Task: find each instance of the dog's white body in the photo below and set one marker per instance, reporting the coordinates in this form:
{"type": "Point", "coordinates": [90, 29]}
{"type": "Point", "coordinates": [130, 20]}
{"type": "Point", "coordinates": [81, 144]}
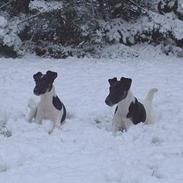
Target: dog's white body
{"type": "Point", "coordinates": [120, 120]}
{"type": "Point", "coordinates": [45, 110]}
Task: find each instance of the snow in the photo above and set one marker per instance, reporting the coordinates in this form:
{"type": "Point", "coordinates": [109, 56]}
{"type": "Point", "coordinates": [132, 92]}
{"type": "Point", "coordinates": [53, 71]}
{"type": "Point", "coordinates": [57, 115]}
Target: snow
{"type": "Point", "coordinates": [8, 34]}
{"type": "Point", "coordinates": [3, 22]}
{"type": "Point", "coordinates": [84, 150]}
{"type": "Point", "coordinates": [44, 6]}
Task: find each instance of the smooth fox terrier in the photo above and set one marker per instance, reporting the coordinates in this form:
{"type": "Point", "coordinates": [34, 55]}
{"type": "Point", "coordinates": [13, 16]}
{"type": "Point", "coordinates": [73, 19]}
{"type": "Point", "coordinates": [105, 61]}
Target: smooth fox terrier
{"type": "Point", "coordinates": [129, 110]}
{"type": "Point", "coordinates": [50, 107]}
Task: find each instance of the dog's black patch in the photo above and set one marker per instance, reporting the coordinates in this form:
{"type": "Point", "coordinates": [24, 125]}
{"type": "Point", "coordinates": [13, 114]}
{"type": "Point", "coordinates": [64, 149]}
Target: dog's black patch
{"type": "Point", "coordinates": [136, 112]}
{"type": "Point", "coordinates": [116, 109]}
{"type": "Point", "coordinates": [64, 114]}
{"type": "Point", "coordinates": [57, 103]}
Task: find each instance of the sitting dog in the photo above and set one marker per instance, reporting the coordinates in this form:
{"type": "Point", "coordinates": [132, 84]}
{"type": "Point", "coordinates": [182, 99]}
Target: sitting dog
{"type": "Point", "coordinates": [129, 110]}
{"type": "Point", "coordinates": [50, 107]}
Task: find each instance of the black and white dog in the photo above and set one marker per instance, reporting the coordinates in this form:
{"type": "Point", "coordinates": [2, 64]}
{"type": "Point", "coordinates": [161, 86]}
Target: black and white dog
{"type": "Point", "coordinates": [129, 110]}
{"type": "Point", "coordinates": [50, 107]}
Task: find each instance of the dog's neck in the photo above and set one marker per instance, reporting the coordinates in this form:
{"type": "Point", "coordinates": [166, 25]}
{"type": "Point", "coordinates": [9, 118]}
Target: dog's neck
{"type": "Point", "coordinates": [127, 101]}
{"type": "Point", "coordinates": [48, 96]}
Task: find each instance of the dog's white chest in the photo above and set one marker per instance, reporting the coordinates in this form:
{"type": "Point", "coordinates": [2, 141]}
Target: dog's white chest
{"type": "Point", "coordinates": [120, 120]}
{"type": "Point", "coordinates": [46, 109]}
{"type": "Point", "coordinates": [123, 106]}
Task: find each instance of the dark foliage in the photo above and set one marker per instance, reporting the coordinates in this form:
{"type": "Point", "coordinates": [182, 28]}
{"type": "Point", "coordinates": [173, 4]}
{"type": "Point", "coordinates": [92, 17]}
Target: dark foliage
{"type": "Point", "coordinates": [166, 7]}
{"type": "Point", "coordinates": [6, 51]}
{"type": "Point", "coordinates": [77, 28]}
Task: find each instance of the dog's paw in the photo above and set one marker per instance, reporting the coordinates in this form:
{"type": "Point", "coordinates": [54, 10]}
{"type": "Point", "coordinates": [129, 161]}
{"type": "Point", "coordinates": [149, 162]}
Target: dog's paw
{"type": "Point", "coordinates": [29, 120]}
{"type": "Point", "coordinates": [50, 132]}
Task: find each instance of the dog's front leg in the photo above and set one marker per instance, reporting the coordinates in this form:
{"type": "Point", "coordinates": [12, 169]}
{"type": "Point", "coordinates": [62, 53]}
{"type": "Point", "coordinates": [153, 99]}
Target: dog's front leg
{"type": "Point", "coordinates": [39, 116]}
{"type": "Point", "coordinates": [117, 124]}
{"type": "Point", "coordinates": [52, 128]}
{"type": "Point", "coordinates": [38, 119]}
{"type": "Point", "coordinates": [32, 114]}
{"type": "Point", "coordinates": [56, 124]}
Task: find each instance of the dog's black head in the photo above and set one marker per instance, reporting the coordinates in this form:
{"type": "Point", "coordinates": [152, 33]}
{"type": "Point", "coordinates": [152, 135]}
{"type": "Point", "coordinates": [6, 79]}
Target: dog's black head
{"type": "Point", "coordinates": [118, 90]}
{"type": "Point", "coordinates": [44, 82]}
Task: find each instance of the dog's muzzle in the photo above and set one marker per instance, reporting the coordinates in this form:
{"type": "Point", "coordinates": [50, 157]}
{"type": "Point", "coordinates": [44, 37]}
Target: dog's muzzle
{"type": "Point", "coordinates": [108, 102]}
{"type": "Point", "coordinates": [36, 91]}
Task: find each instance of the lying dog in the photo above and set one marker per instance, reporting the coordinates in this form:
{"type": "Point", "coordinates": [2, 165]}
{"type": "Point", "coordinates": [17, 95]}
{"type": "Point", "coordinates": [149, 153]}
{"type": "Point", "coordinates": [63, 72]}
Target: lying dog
{"type": "Point", "coordinates": [129, 110]}
{"type": "Point", "coordinates": [50, 107]}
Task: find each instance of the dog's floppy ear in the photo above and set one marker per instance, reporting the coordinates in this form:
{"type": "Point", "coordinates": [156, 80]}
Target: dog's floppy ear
{"type": "Point", "coordinates": [126, 82]}
{"type": "Point", "coordinates": [112, 81]}
{"type": "Point", "coordinates": [51, 75]}
{"type": "Point", "coordinates": [37, 76]}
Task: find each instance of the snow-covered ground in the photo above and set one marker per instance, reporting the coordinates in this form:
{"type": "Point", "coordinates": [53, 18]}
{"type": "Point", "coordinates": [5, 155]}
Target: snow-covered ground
{"type": "Point", "coordinates": [84, 150]}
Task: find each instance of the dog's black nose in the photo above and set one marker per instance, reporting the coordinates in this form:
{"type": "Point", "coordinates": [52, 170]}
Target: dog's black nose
{"type": "Point", "coordinates": [107, 102]}
{"type": "Point", "coordinates": [36, 92]}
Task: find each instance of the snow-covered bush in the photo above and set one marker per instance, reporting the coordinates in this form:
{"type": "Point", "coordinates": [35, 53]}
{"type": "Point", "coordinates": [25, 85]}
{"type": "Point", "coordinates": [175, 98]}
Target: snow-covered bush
{"type": "Point", "coordinates": [62, 28]}
{"type": "Point", "coordinates": [10, 43]}
{"type": "Point", "coordinates": [152, 28]}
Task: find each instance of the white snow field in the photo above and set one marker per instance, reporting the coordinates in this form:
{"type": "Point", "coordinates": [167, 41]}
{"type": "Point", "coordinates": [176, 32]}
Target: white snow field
{"type": "Point", "coordinates": [84, 150]}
